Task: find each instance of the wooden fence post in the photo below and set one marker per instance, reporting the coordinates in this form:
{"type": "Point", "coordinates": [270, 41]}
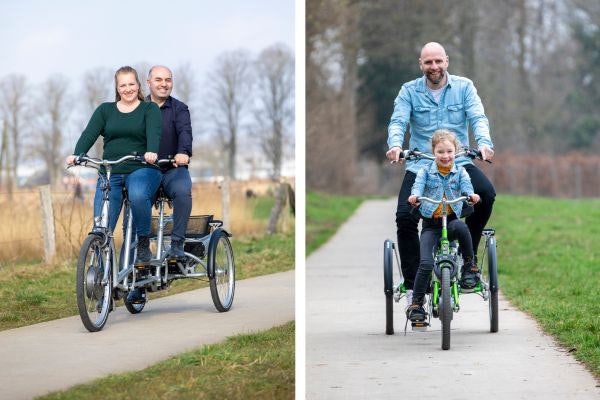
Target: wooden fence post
{"type": "Point", "coordinates": [47, 224]}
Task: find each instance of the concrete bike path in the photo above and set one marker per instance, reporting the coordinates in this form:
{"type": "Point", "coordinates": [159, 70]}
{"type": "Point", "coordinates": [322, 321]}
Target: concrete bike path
{"type": "Point", "coordinates": [349, 356]}
{"type": "Point", "coordinates": [55, 355]}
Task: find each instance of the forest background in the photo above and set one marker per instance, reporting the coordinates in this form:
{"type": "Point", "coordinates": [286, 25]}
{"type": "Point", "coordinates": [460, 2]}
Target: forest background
{"type": "Point", "coordinates": [534, 63]}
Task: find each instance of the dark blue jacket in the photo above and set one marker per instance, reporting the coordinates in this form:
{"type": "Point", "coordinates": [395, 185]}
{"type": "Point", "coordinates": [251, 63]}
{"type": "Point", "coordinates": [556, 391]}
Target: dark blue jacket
{"type": "Point", "coordinates": [176, 129]}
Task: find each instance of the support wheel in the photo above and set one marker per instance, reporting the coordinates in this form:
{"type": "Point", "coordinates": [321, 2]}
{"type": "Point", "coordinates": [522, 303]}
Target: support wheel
{"type": "Point", "coordinates": [493, 282]}
{"type": "Point", "coordinates": [94, 297]}
{"type": "Point", "coordinates": [388, 286]}
{"type": "Point", "coordinates": [221, 270]}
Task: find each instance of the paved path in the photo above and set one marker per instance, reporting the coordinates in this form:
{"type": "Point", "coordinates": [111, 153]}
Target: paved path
{"type": "Point", "coordinates": [348, 355]}
{"type": "Point", "coordinates": [37, 359]}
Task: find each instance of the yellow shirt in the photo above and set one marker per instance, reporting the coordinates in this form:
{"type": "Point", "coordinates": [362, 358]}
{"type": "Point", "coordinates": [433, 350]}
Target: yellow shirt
{"type": "Point", "coordinates": [438, 211]}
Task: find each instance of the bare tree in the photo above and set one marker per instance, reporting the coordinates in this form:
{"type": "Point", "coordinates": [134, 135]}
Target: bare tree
{"type": "Point", "coordinates": [228, 93]}
{"type": "Point", "coordinates": [14, 91]}
{"type": "Point", "coordinates": [98, 87]}
{"type": "Point", "coordinates": [51, 123]}
{"type": "Point", "coordinates": [275, 69]}
{"type": "Point", "coordinates": [184, 82]}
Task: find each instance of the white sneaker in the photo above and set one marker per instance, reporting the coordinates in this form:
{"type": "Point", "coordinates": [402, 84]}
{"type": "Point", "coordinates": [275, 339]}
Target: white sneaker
{"type": "Point", "coordinates": [409, 297]}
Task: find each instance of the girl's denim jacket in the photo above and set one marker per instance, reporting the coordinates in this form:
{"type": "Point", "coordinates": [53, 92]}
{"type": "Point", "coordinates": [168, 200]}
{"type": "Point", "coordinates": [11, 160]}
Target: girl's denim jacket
{"type": "Point", "coordinates": [430, 183]}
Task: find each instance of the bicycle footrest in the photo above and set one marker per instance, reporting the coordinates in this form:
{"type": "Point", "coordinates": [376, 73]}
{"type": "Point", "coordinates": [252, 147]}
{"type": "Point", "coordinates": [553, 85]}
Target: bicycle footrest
{"type": "Point", "coordinates": [419, 326]}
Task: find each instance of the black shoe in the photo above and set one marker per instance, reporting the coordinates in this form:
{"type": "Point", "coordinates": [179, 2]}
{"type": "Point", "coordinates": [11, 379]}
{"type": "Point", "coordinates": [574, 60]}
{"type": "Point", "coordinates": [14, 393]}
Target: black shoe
{"type": "Point", "coordinates": [144, 255]}
{"type": "Point", "coordinates": [416, 313]}
{"type": "Point", "coordinates": [136, 296]}
{"type": "Point", "coordinates": [176, 250]}
{"type": "Point", "coordinates": [470, 274]}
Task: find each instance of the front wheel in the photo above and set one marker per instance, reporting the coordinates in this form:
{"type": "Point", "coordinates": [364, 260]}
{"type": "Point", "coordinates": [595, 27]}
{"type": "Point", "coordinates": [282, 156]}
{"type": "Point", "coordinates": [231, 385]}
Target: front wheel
{"type": "Point", "coordinates": [446, 308]}
{"type": "Point", "coordinates": [94, 294]}
{"type": "Point", "coordinates": [221, 274]}
{"type": "Point", "coordinates": [493, 279]}
{"type": "Point", "coordinates": [388, 286]}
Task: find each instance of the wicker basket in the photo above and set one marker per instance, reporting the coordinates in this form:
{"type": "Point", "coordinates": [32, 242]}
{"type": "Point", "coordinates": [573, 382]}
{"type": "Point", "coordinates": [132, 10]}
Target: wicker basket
{"type": "Point", "coordinates": [198, 226]}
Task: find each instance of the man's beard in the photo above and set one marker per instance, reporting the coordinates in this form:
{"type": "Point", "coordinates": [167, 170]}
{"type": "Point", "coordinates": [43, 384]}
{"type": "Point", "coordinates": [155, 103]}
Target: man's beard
{"type": "Point", "coordinates": [442, 74]}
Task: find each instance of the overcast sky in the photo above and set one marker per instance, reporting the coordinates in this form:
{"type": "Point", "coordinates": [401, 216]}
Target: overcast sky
{"type": "Point", "coordinates": [41, 37]}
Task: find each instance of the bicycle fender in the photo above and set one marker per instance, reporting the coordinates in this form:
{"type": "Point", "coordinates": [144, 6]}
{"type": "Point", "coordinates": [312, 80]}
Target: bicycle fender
{"type": "Point", "coordinates": [445, 261]}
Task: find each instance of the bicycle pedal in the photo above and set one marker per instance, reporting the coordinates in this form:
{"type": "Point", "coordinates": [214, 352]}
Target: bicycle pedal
{"type": "Point", "coordinates": [419, 326]}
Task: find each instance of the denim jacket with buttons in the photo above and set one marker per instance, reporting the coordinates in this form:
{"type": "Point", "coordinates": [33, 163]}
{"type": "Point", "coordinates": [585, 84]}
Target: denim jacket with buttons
{"type": "Point", "coordinates": [430, 183]}
{"type": "Point", "coordinates": [459, 107]}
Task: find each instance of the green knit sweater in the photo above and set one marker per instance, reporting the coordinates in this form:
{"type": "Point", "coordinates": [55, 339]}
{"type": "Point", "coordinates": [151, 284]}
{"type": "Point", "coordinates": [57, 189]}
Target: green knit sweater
{"type": "Point", "coordinates": [124, 133]}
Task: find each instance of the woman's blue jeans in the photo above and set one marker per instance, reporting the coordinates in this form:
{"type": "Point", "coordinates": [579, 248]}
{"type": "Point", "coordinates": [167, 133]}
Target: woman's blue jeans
{"type": "Point", "coordinates": [141, 185]}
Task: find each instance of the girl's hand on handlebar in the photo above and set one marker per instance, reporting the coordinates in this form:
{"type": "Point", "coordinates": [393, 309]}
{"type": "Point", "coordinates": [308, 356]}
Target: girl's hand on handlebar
{"type": "Point", "coordinates": [150, 157]}
{"type": "Point", "coordinates": [412, 199]}
{"type": "Point", "coordinates": [393, 155]}
{"type": "Point", "coordinates": [474, 199]}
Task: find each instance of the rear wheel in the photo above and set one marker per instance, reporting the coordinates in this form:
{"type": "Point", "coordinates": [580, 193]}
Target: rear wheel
{"type": "Point", "coordinates": [493, 279]}
{"type": "Point", "coordinates": [94, 294]}
{"type": "Point", "coordinates": [445, 308]}
{"type": "Point", "coordinates": [221, 271]}
{"type": "Point", "coordinates": [388, 285]}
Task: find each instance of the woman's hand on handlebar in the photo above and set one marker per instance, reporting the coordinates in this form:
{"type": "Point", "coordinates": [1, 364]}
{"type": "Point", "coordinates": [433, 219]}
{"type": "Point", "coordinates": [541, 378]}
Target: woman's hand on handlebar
{"type": "Point", "coordinates": [393, 155]}
{"type": "Point", "coordinates": [150, 157]}
{"type": "Point", "coordinates": [413, 199]}
{"type": "Point", "coordinates": [474, 199]}
{"type": "Point", "coordinates": [70, 160]}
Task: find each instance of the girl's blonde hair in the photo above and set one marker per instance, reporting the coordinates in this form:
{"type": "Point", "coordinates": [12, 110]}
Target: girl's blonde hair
{"type": "Point", "coordinates": [444, 134]}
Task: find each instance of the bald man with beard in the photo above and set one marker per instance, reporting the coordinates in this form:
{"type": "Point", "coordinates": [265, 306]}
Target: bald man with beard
{"type": "Point", "coordinates": [438, 100]}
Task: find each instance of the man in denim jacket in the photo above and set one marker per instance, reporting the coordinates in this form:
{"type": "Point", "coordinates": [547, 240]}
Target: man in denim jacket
{"type": "Point", "coordinates": [435, 101]}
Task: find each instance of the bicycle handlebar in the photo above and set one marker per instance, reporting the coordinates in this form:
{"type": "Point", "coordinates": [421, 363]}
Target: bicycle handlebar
{"type": "Point", "coordinates": [81, 159]}
{"type": "Point", "coordinates": [465, 152]}
{"type": "Point", "coordinates": [443, 201]}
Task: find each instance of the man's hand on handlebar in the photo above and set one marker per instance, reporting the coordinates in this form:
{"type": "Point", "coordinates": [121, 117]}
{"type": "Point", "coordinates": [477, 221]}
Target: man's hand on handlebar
{"type": "Point", "coordinates": [487, 154]}
{"type": "Point", "coordinates": [393, 155]}
{"type": "Point", "coordinates": [473, 199]}
{"type": "Point", "coordinates": [181, 159]}
{"type": "Point", "coordinates": [413, 199]}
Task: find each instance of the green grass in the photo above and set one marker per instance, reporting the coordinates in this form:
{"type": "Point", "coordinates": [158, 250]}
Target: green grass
{"type": "Point", "coordinates": [324, 215]}
{"type": "Point", "coordinates": [35, 293]}
{"type": "Point", "coordinates": [548, 259]}
{"type": "Point", "coordinates": [250, 366]}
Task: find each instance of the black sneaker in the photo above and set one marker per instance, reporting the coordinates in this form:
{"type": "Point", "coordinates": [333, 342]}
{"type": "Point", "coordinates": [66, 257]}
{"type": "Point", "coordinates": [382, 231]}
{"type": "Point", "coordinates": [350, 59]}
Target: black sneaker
{"type": "Point", "coordinates": [416, 313]}
{"type": "Point", "coordinates": [144, 255]}
{"type": "Point", "coordinates": [470, 274]}
{"type": "Point", "coordinates": [136, 296]}
{"type": "Point", "coordinates": [176, 250]}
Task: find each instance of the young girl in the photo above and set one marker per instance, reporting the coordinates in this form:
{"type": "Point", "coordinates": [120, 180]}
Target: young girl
{"type": "Point", "coordinates": [441, 179]}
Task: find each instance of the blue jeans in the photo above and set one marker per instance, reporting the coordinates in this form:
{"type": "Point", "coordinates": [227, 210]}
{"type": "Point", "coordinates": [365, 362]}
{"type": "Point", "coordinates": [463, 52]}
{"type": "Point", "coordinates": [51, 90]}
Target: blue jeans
{"type": "Point", "coordinates": [178, 187]}
{"type": "Point", "coordinates": [141, 185]}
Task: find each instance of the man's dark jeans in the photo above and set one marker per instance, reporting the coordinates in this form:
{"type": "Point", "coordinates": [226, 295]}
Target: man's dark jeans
{"type": "Point", "coordinates": [407, 220]}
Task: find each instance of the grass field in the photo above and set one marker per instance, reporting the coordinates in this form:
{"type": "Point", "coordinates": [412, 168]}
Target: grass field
{"type": "Point", "coordinates": [257, 365]}
{"type": "Point", "coordinates": [251, 366]}
{"type": "Point", "coordinates": [324, 214]}
{"type": "Point", "coordinates": [548, 260]}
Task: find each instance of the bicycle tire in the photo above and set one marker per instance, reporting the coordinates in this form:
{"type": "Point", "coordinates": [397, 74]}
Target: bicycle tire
{"type": "Point", "coordinates": [94, 300]}
{"type": "Point", "coordinates": [221, 274]}
{"type": "Point", "coordinates": [134, 308]}
{"type": "Point", "coordinates": [445, 308]}
{"type": "Point", "coordinates": [493, 275]}
{"type": "Point", "coordinates": [388, 285]}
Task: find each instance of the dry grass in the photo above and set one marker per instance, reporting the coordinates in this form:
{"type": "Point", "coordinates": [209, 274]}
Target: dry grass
{"type": "Point", "coordinates": [21, 235]}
